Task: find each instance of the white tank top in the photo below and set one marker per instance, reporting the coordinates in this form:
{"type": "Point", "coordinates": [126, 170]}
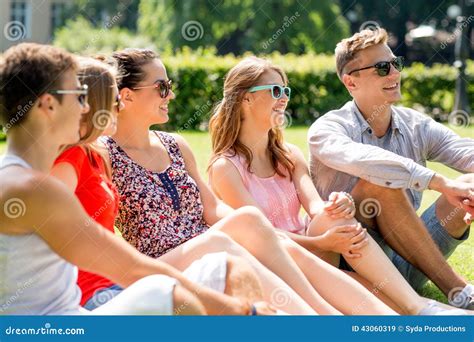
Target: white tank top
{"type": "Point", "coordinates": [34, 280]}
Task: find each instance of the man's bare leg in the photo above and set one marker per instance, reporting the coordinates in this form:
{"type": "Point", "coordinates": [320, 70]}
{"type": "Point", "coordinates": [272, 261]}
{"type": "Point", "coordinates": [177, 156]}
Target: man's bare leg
{"type": "Point", "coordinates": [406, 233]}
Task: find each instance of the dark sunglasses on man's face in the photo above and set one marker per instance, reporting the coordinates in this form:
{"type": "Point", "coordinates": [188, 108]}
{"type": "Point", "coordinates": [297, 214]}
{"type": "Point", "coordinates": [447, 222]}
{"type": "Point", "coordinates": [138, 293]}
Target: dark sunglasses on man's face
{"type": "Point", "coordinates": [383, 68]}
{"type": "Point", "coordinates": [163, 86]}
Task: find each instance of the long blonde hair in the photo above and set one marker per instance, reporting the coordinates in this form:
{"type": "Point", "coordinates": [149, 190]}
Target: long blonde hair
{"type": "Point", "coordinates": [225, 123]}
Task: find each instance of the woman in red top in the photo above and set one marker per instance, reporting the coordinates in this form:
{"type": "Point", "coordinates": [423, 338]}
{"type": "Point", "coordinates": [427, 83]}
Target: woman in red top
{"type": "Point", "coordinates": [93, 188]}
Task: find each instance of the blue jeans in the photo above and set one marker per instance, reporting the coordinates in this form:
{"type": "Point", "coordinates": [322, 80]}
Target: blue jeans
{"type": "Point", "coordinates": [102, 296]}
{"type": "Point", "coordinates": [445, 242]}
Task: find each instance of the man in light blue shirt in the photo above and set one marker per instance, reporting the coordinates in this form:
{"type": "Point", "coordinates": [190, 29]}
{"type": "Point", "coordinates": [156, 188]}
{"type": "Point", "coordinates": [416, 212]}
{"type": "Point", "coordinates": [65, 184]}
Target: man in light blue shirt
{"type": "Point", "coordinates": [378, 153]}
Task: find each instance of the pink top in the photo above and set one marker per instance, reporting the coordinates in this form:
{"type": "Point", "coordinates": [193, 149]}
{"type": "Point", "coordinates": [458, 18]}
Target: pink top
{"type": "Point", "coordinates": [275, 195]}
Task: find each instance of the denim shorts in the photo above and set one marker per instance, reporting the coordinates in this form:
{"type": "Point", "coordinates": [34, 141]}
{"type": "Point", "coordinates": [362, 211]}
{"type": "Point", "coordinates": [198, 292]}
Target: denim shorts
{"type": "Point", "coordinates": [445, 242]}
{"type": "Point", "coordinates": [102, 296]}
{"type": "Point", "coordinates": [209, 271]}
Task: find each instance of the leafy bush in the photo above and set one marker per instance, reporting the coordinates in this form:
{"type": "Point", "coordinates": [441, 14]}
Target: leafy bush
{"type": "Point", "coordinates": [316, 88]}
{"type": "Point", "coordinates": [80, 36]}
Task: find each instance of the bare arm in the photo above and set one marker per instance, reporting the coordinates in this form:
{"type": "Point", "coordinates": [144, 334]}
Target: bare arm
{"type": "Point", "coordinates": [307, 193]}
{"type": "Point", "coordinates": [214, 208]}
{"type": "Point", "coordinates": [227, 183]}
{"type": "Point", "coordinates": [58, 218]}
{"type": "Point", "coordinates": [65, 172]}
{"type": "Point", "coordinates": [340, 205]}
{"type": "Point", "coordinates": [330, 143]}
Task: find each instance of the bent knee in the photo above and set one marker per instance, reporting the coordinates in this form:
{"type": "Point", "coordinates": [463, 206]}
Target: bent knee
{"type": "Point", "coordinates": [254, 222]}
{"type": "Point", "coordinates": [322, 222]}
{"type": "Point", "coordinates": [250, 213]}
{"type": "Point", "coordinates": [221, 239]}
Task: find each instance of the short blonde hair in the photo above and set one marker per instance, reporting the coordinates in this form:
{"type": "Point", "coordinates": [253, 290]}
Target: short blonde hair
{"type": "Point", "coordinates": [347, 49]}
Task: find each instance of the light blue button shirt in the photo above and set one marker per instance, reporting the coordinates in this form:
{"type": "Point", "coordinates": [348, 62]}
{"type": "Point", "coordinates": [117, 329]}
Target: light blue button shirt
{"type": "Point", "coordinates": [343, 149]}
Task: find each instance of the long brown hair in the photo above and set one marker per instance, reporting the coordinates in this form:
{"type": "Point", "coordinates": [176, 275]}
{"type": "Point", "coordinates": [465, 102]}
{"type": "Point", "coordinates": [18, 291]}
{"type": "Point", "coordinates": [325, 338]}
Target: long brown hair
{"type": "Point", "coordinates": [99, 75]}
{"type": "Point", "coordinates": [225, 123]}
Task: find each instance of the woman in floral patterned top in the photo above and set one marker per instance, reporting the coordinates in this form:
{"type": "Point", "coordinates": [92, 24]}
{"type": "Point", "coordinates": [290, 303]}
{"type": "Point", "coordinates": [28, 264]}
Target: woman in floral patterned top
{"type": "Point", "coordinates": [172, 212]}
{"type": "Point", "coordinates": [165, 206]}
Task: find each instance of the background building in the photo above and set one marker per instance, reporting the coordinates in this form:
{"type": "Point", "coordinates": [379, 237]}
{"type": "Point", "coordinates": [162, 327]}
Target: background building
{"type": "Point", "coordinates": [30, 20]}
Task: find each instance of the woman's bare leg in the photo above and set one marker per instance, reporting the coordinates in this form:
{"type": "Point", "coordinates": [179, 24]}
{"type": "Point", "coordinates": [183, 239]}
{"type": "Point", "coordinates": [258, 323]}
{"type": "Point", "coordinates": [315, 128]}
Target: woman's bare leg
{"type": "Point", "coordinates": [343, 292]}
{"type": "Point", "coordinates": [375, 291]}
{"type": "Point", "coordinates": [375, 266]}
{"type": "Point", "coordinates": [252, 230]}
{"type": "Point", "coordinates": [275, 290]}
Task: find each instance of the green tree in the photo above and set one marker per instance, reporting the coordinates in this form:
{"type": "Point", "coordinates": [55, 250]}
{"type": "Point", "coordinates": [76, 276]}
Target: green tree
{"type": "Point", "coordinates": [100, 11]}
{"type": "Point", "coordinates": [394, 15]}
{"type": "Point", "coordinates": [80, 36]}
{"type": "Point", "coordinates": [238, 26]}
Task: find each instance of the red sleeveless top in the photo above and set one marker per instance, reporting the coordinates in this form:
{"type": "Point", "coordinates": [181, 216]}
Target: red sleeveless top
{"type": "Point", "coordinates": [99, 198]}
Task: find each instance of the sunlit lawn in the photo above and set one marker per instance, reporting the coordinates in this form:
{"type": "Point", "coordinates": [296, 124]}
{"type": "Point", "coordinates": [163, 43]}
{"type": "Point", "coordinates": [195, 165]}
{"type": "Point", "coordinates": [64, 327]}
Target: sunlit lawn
{"type": "Point", "coordinates": [462, 260]}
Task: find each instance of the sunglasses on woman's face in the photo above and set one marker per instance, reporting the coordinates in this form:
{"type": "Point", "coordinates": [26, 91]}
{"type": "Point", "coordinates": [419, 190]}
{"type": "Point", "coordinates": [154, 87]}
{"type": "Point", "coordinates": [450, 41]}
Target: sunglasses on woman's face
{"type": "Point", "coordinates": [383, 68]}
{"type": "Point", "coordinates": [163, 86]}
{"type": "Point", "coordinates": [277, 90]}
{"type": "Point", "coordinates": [81, 93]}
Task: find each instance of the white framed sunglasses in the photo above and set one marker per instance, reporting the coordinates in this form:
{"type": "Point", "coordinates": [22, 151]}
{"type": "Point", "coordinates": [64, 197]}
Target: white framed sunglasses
{"type": "Point", "coordinates": [81, 93]}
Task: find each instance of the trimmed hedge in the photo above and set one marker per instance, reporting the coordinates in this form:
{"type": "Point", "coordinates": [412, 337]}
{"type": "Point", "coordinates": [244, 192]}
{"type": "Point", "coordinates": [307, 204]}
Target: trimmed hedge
{"type": "Point", "coordinates": [316, 88]}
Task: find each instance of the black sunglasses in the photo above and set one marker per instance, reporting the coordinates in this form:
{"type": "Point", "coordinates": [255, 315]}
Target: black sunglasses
{"type": "Point", "coordinates": [163, 86]}
{"type": "Point", "coordinates": [383, 68]}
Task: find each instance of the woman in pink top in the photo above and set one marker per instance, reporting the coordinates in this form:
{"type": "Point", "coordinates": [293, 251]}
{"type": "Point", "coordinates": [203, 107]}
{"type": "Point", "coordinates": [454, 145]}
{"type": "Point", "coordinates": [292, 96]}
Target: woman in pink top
{"type": "Point", "coordinates": [253, 165]}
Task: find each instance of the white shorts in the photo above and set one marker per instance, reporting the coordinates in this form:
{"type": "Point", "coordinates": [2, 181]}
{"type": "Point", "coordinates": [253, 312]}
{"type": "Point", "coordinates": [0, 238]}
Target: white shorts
{"type": "Point", "coordinates": [153, 295]}
{"type": "Point", "coordinates": [209, 271]}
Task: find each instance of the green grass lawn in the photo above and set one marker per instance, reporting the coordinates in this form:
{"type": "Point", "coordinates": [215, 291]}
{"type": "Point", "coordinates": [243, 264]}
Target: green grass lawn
{"type": "Point", "coordinates": [463, 258]}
